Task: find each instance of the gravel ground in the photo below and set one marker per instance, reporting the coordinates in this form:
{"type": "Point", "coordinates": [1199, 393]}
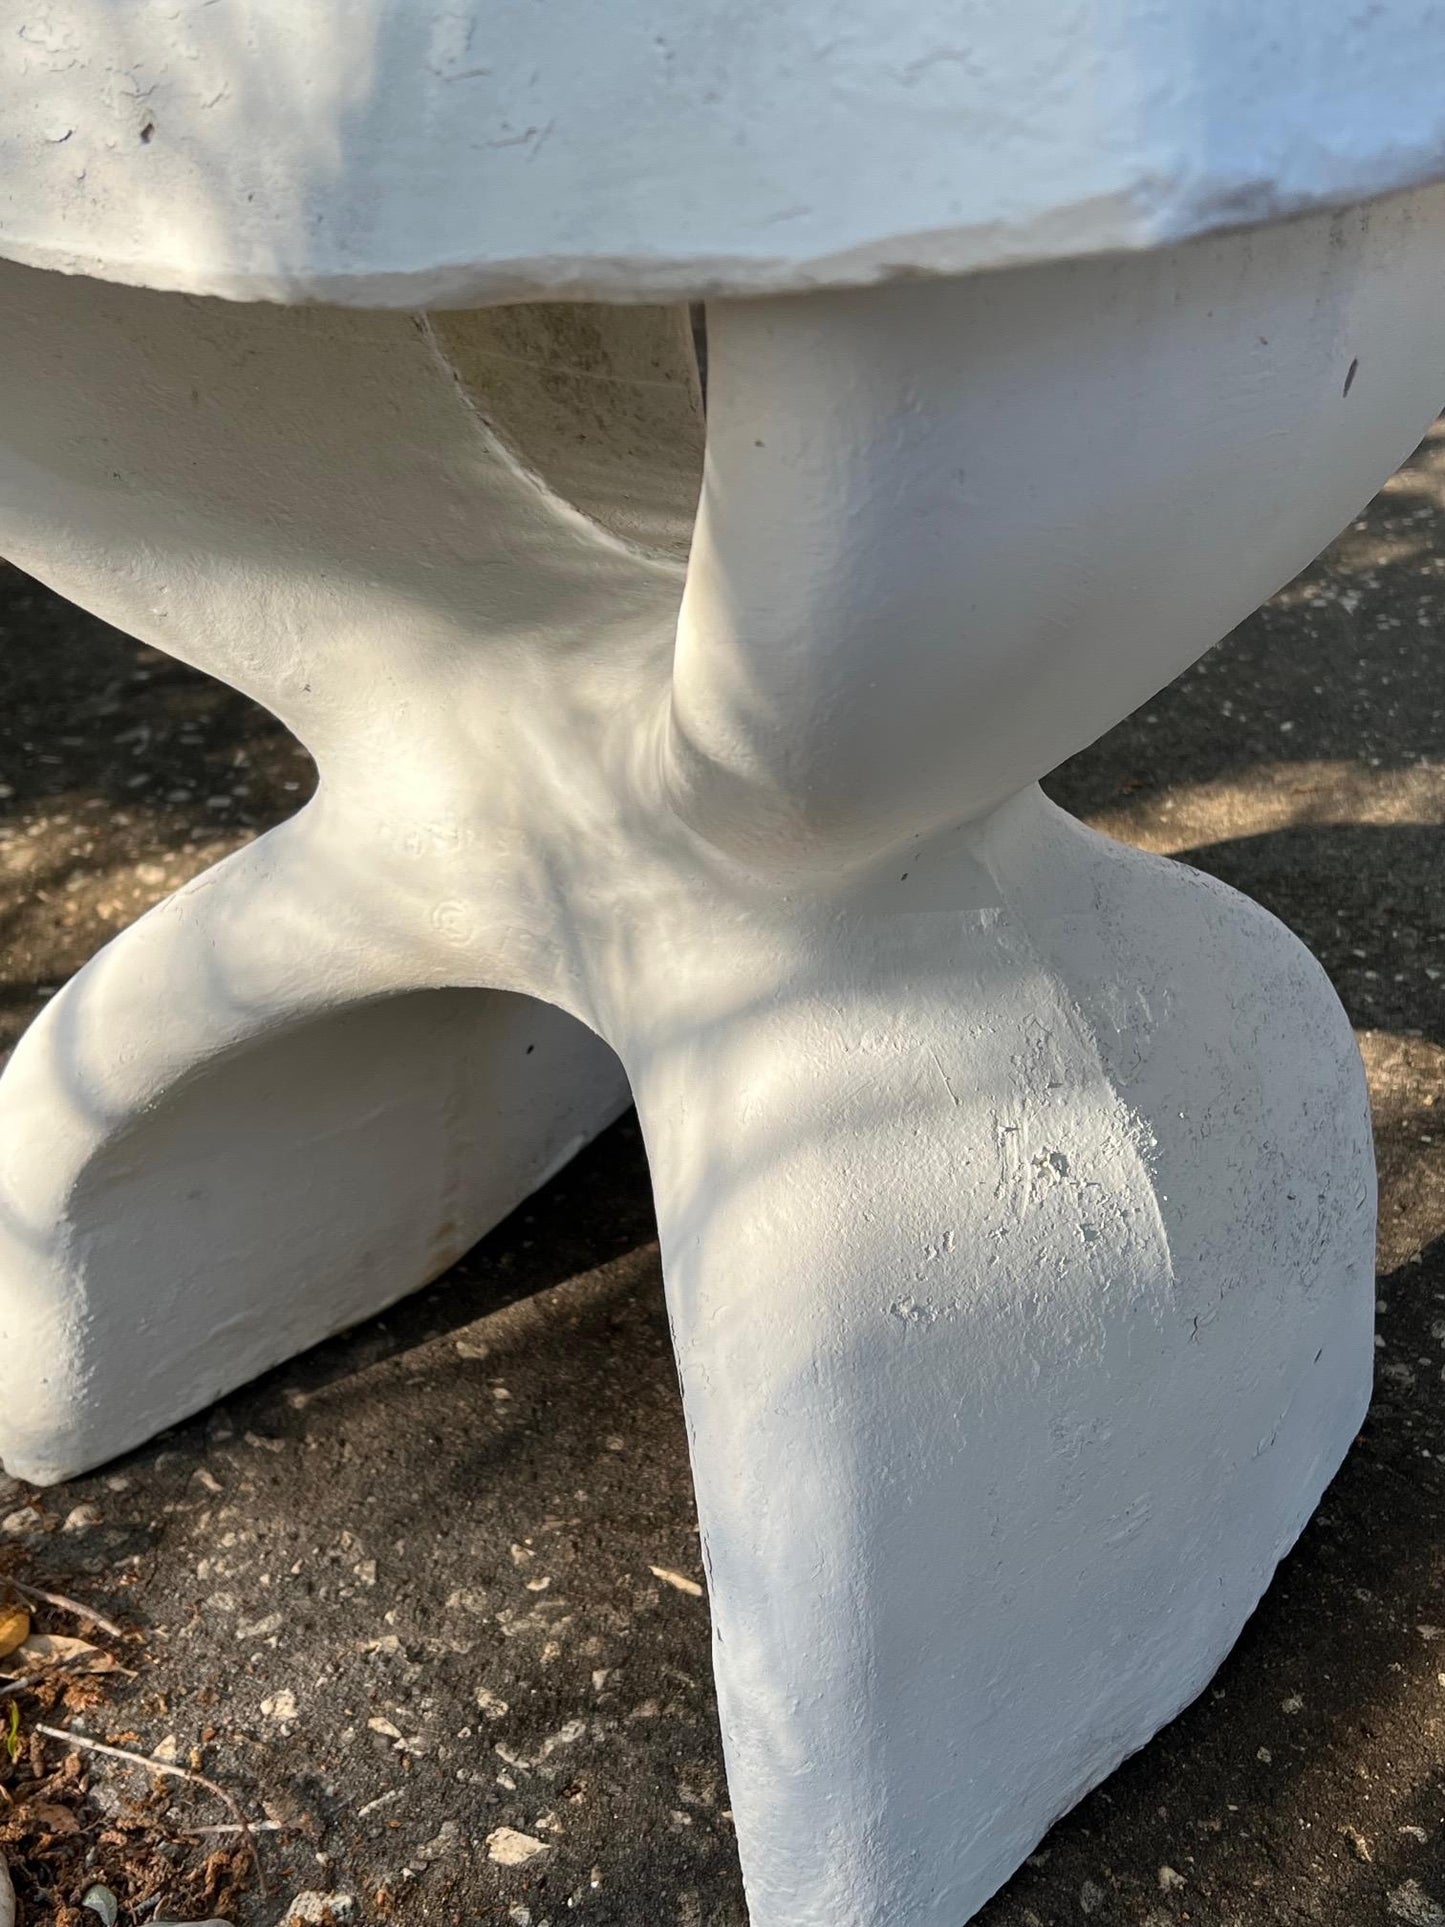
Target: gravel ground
{"type": "Point", "coordinates": [400, 1594]}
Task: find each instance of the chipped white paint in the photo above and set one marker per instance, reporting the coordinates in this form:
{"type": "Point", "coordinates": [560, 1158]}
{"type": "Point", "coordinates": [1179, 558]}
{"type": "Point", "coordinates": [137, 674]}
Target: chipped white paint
{"type": "Point", "coordinates": [1015, 1187]}
{"type": "Point", "coordinates": [432, 151]}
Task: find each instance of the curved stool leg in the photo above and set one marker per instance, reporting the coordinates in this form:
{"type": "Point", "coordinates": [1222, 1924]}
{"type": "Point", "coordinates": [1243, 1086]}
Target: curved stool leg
{"type": "Point", "coordinates": [312, 1078]}
{"type": "Point", "coordinates": [246, 1124]}
{"type": "Point", "coordinates": [1022, 1290]}
{"type": "Point", "coordinates": [1016, 1190]}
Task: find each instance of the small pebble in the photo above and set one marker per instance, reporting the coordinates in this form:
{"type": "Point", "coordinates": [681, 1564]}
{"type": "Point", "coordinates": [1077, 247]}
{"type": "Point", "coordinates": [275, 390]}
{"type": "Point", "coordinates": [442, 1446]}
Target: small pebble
{"type": "Point", "coordinates": [508, 1848]}
{"type": "Point", "coordinates": [313, 1906]}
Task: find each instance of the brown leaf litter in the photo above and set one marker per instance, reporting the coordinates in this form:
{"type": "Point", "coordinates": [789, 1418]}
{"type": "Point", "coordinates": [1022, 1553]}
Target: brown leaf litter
{"type": "Point", "coordinates": [75, 1810]}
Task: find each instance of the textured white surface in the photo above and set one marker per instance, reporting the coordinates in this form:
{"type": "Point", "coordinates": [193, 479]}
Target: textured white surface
{"type": "Point", "coordinates": [1015, 1188]}
{"type": "Point", "coordinates": [1013, 1370]}
{"type": "Point", "coordinates": [426, 152]}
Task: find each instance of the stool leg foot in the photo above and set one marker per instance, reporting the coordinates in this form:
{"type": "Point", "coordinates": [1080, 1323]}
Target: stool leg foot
{"type": "Point", "coordinates": [240, 1129]}
{"type": "Point", "coordinates": [1018, 1225]}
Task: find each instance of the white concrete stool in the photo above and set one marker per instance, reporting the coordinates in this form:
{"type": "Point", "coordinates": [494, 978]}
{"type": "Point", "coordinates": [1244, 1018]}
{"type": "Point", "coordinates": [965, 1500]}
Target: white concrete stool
{"type": "Point", "coordinates": [1015, 1188]}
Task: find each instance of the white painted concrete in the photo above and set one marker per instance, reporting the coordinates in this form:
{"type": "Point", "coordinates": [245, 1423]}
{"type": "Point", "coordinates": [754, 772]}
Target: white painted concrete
{"type": "Point", "coordinates": [267, 1109]}
{"type": "Point", "coordinates": [1015, 1188]}
{"type": "Point", "coordinates": [425, 152]}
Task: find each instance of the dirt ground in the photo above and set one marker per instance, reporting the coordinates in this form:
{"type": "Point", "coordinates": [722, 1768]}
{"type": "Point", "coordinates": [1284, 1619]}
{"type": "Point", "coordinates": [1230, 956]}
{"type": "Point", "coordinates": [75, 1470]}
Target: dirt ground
{"type": "Point", "coordinates": [399, 1594]}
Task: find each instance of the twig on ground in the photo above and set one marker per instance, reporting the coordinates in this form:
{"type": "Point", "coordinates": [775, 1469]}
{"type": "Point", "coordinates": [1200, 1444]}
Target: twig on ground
{"type": "Point", "coordinates": [38, 1596]}
{"type": "Point", "coordinates": [256, 1826]}
{"type": "Point", "coordinates": [10, 1687]}
{"type": "Point", "coordinates": [244, 1827]}
{"type": "Point", "coordinates": [7, 1896]}
{"type": "Point", "coordinates": [78, 1663]}
{"type": "Point", "coordinates": [679, 1580]}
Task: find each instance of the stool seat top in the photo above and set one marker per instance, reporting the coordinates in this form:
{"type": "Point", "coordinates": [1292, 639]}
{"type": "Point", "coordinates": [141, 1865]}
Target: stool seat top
{"type": "Point", "coordinates": [435, 153]}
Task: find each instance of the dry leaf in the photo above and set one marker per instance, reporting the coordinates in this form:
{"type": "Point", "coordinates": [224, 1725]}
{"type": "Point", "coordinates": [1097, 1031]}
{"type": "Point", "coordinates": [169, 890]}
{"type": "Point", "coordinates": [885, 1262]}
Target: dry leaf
{"type": "Point", "coordinates": [14, 1628]}
{"type": "Point", "coordinates": [43, 1650]}
{"type": "Point", "coordinates": [55, 1819]}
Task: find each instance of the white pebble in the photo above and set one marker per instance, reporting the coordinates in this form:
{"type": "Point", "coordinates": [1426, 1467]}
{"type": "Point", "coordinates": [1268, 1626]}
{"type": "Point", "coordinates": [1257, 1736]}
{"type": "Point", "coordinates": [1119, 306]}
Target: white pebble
{"type": "Point", "coordinates": [508, 1848]}
{"type": "Point", "coordinates": [311, 1906]}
